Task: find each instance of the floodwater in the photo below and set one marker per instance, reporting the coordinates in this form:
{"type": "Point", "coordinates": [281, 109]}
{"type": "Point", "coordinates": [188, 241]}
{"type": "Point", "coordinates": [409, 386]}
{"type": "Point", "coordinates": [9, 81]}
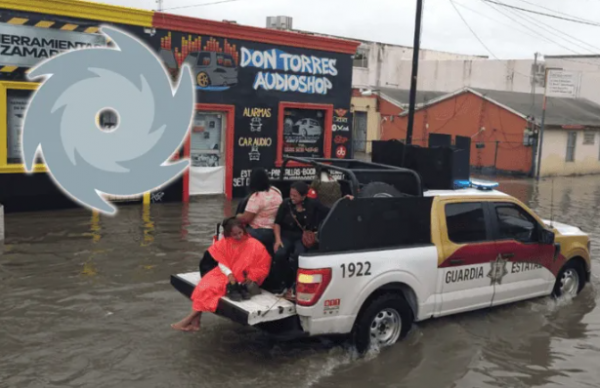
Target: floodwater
{"type": "Point", "coordinates": [86, 302]}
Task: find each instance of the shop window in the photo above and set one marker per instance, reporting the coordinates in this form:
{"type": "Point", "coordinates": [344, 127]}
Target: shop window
{"type": "Point", "coordinates": [303, 133]}
{"type": "Point", "coordinates": [589, 138]}
{"type": "Point", "coordinates": [571, 141]}
{"type": "Point", "coordinates": [16, 107]}
{"type": "Point", "coordinates": [361, 58]}
{"type": "Point", "coordinates": [207, 136]}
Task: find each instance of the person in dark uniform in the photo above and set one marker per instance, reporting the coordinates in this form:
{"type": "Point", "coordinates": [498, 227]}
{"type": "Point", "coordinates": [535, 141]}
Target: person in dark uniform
{"type": "Point", "coordinates": [295, 215]}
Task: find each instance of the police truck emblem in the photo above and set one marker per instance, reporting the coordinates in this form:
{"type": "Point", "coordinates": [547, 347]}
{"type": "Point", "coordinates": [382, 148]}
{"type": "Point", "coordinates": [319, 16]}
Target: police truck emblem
{"type": "Point", "coordinates": [497, 270]}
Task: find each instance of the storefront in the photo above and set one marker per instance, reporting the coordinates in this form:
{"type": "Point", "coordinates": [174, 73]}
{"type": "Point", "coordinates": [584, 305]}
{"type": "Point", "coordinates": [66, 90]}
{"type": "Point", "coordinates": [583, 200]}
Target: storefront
{"type": "Point", "coordinates": [261, 94]}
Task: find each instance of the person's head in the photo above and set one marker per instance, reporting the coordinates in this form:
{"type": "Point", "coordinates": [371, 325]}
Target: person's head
{"type": "Point", "coordinates": [233, 228]}
{"type": "Point", "coordinates": [259, 180]}
{"type": "Point", "coordinates": [298, 192]}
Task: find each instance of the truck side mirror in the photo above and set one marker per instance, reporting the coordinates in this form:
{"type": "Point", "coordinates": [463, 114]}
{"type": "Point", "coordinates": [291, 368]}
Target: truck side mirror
{"type": "Point", "coordinates": [547, 237]}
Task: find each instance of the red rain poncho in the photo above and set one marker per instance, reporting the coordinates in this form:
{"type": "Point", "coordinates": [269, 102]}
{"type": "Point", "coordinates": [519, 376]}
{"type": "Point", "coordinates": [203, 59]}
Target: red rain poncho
{"type": "Point", "coordinates": [248, 255]}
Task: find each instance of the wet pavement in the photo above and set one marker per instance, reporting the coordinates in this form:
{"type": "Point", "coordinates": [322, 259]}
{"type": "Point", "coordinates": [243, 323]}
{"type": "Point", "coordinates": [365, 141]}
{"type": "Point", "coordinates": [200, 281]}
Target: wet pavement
{"type": "Point", "coordinates": [85, 301]}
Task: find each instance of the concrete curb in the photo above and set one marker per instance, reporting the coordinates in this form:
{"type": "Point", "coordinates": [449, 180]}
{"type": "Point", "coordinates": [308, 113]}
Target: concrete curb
{"type": "Point", "coordinates": [1, 223]}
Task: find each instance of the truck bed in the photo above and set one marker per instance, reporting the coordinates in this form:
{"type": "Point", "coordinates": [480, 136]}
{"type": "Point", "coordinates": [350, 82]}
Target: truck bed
{"type": "Point", "coordinates": [262, 308]}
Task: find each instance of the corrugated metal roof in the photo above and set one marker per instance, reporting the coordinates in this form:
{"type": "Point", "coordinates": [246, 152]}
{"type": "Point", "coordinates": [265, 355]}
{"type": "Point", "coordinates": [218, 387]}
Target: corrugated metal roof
{"type": "Point", "coordinates": [402, 96]}
{"type": "Point", "coordinates": [559, 111]}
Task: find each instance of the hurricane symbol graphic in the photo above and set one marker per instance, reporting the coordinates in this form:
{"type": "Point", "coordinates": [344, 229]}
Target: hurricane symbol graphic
{"type": "Point", "coordinates": [154, 119]}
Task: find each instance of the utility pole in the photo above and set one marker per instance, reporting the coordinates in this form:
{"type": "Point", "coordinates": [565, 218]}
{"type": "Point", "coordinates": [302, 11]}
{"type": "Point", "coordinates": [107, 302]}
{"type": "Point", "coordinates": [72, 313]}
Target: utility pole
{"type": "Point", "coordinates": [160, 5]}
{"type": "Point", "coordinates": [541, 136]}
{"type": "Point", "coordinates": [415, 69]}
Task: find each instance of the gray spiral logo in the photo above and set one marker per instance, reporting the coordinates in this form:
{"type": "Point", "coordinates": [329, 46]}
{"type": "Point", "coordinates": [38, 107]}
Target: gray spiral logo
{"type": "Point", "coordinates": [154, 118]}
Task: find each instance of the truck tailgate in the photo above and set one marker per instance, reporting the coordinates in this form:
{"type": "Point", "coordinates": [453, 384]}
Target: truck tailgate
{"type": "Point", "coordinates": [265, 307]}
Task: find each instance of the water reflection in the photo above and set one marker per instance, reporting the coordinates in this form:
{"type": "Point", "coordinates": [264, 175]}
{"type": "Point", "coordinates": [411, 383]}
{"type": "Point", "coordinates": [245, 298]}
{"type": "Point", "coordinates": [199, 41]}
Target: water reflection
{"type": "Point", "coordinates": [86, 301]}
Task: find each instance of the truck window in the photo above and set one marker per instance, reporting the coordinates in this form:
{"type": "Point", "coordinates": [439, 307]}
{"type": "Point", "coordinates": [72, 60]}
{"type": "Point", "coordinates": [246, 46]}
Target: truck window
{"type": "Point", "coordinates": [514, 223]}
{"type": "Point", "coordinates": [466, 222]}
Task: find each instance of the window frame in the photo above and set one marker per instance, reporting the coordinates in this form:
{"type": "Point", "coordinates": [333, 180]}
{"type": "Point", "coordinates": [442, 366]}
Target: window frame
{"type": "Point", "coordinates": [486, 219]}
{"type": "Point", "coordinates": [5, 167]}
{"type": "Point", "coordinates": [327, 130]}
{"type": "Point", "coordinates": [496, 223]}
{"type": "Point", "coordinates": [571, 134]}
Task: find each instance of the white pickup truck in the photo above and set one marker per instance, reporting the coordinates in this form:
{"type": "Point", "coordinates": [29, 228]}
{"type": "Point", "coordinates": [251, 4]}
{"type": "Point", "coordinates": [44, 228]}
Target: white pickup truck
{"type": "Point", "coordinates": [386, 261]}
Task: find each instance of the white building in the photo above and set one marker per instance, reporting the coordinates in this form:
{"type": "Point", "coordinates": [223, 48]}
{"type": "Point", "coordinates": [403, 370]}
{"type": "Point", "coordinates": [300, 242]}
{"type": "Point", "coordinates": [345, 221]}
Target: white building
{"type": "Point", "coordinates": [447, 74]}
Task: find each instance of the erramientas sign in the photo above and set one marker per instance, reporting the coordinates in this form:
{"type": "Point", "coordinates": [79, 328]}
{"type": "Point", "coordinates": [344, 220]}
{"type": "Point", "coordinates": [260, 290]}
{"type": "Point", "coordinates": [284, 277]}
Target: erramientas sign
{"type": "Point", "coordinates": [309, 72]}
{"type": "Point", "coordinates": [26, 46]}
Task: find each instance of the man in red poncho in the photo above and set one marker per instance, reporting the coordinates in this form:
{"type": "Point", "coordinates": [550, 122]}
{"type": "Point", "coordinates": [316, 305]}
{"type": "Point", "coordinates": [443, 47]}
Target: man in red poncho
{"type": "Point", "coordinates": [241, 259]}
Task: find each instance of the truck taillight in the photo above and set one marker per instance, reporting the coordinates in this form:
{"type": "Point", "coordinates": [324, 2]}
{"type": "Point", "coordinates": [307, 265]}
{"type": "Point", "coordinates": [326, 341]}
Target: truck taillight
{"type": "Point", "coordinates": [311, 284]}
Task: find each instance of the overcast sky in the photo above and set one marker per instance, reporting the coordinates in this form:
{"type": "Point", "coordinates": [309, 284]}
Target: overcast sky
{"type": "Point", "coordinates": [392, 21]}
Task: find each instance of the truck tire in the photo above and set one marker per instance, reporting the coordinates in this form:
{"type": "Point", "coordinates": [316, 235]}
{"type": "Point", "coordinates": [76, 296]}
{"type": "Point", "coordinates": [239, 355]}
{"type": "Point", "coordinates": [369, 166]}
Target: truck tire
{"type": "Point", "coordinates": [378, 189]}
{"type": "Point", "coordinates": [382, 323]}
{"type": "Point", "coordinates": [570, 280]}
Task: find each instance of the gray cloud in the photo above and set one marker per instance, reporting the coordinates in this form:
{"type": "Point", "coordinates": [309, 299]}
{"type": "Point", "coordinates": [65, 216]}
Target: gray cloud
{"type": "Point", "coordinates": [392, 21]}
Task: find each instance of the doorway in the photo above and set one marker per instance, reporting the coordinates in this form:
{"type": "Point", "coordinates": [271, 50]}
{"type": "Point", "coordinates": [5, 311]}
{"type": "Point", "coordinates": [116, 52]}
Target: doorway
{"type": "Point", "coordinates": [360, 132]}
{"type": "Point", "coordinates": [208, 153]}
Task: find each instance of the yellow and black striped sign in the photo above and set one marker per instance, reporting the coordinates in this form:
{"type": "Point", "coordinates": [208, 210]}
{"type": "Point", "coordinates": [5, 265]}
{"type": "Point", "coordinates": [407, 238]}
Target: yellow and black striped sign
{"type": "Point", "coordinates": [44, 21]}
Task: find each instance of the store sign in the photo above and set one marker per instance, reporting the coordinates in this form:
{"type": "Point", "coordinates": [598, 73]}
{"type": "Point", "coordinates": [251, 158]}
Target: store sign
{"type": "Point", "coordinates": [313, 83]}
{"type": "Point", "coordinates": [26, 46]}
{"type": "Point", "coordinates": [562, 84]}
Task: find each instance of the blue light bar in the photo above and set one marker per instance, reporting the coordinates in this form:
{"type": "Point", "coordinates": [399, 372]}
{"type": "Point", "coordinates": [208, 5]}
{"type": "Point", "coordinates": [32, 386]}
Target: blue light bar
{"type": "Point", "coordinates": [462, 184]}
{"type": "Point", "coordinates": [483, 184]}
{"type": "Point", "coordinates": [478, 184]}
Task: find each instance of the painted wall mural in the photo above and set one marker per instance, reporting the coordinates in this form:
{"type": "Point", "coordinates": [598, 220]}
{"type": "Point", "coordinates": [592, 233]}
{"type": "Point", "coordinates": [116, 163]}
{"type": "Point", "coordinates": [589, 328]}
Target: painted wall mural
{"type": "Point", "coordinates": [255, 78]}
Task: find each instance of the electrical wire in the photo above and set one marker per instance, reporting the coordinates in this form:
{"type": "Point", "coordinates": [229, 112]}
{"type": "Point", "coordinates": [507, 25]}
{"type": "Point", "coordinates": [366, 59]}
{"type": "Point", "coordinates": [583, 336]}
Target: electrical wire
{"type": "Point", "coordinates": [473, 32]}
{"type": "Point", "coordinates": [527, 27]}
{"type": "Point", "coordinates": [558, 12]}
{"type": "Point", "coordinates": [552, 31]}
{"type": "Point", "coordinates": [200, 5]}
{"type": "Point", "coordinates": [595, 24]}
{"type": "Point", "coordinates": [499, 22]}
{"type": "Point", "coordinates": [480, 41]}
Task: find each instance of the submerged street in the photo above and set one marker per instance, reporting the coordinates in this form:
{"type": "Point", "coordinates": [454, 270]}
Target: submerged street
{"type": "Point", "coordinates": [86, 302]}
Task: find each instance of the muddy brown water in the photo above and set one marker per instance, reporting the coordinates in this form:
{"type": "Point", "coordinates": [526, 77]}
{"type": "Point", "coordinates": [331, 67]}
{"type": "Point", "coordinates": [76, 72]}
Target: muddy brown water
{"type": "Point", "coordinates": [86, 302]}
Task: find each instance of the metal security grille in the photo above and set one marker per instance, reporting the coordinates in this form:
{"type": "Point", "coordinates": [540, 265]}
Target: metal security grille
{"type": "Point", "coordinates": [16, 73]}
{"type": "Point", "coordinates": [571, 141]}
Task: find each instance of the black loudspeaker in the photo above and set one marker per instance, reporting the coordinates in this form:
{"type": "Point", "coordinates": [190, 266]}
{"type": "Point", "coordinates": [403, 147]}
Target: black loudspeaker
{"type": "Point", "coordinates": [439, 140]}
{"type": "Point", "coordinates": [439, 165]}
{"type": "Point", "coordinates": [462, 158]}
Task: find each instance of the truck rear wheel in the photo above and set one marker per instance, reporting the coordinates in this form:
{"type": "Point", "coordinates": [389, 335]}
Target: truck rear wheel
{"type": "Point", "coordinates": [382, 323]}
{"type": "Point", "coordinates": [378, 189]}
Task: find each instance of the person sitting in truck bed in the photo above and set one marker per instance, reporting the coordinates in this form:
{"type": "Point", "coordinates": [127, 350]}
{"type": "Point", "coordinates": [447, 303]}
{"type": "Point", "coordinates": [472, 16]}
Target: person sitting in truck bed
{"type": "Point", "coordinates": [296, 215]}
{"type": "Point", "coordinates": [261, 208]}
{"type": "Point", "coordinates": [242, 261]}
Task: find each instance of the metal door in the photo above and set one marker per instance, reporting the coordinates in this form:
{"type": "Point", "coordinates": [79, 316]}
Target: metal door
{"type": "Point", "coordinates": [360, 132]}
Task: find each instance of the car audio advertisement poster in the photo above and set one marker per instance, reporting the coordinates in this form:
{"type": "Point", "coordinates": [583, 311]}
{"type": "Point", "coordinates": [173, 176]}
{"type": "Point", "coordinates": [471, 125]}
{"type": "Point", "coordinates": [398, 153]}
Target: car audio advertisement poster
{"type": "Point", "coordinates": [303, 133]}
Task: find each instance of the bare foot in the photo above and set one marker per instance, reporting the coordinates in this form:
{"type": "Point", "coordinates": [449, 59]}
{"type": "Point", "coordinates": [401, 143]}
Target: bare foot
{"type": "Point", "coordinates": [179, 326]}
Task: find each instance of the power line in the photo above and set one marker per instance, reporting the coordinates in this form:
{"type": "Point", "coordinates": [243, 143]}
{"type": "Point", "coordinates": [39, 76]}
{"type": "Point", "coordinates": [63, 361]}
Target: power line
{"type": "Point", "coordinates": [480, 41]}
{"type": "Point", "coordinates": [595, 24]}
{"type": "Point", "coordinates": [555, 32]}
{"type": "Point", "coordinates": [527, 31]}
{"type": "Point", "coordinates": [558, 12]}
{"type": "Point", "coordinates": [201, 5]}
{"type": "Point", "coordinates": [499, 22]}
{"type": "Point", "coordinates": [527, 27]}
{"type": "Point", "coordinates": [472, 32]}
